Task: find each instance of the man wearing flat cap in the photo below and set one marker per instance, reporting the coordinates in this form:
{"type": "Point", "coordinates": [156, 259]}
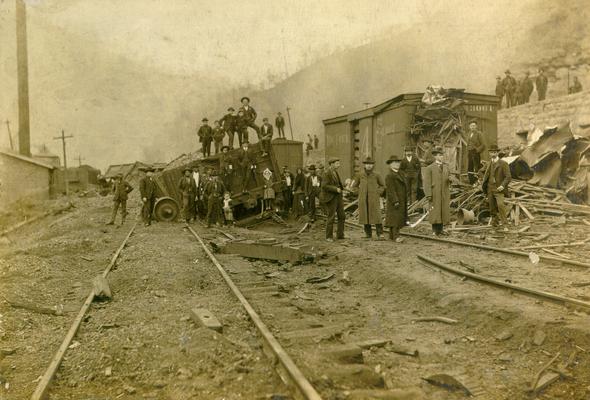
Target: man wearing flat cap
{"type": "Point", "coordinates": [280, 124]}
{"type": "Point", "coordinates": [188, 188]}
{"type": "Point", "coordinates": [265, 136]}
{"type": "Point", "coordinates": [229, 124]}
{"type": "Point", "coordinates": [495, 184]}
{"type": "Point", "coordinates": [370, 187]}
{"type": "Point", "coordinates": [475, 146]}
{"type": "Point", "coordinates": [396, 210]}
{"type": "Point", "coordinates": [205, 134]}
{"type": "Point", "coordinates": [331, 198]}
{"type": "Point", "coordinates": [436, 189]}
{"type": "Point", "coordinates": [147, 191]}
{"type": "Point", "coordinates": [509, 84]}
{"type": "Point", "coordinates": [411, 168]}
{"type": "Point", "coordinates": [249, 114]}
{"type": "Point", "coordinates": [121, 190]}
{"type": "Point", "coordinates": [313, 184]}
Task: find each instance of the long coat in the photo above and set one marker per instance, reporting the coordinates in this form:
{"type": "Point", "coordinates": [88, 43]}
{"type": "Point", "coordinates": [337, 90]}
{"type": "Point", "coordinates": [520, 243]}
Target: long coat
{"type": "Point", "coordinates": [436, 186]}
{"type": "Point", "coordinates": [395, 192]}
{"type": "Point", "coordinates": [370, 188]}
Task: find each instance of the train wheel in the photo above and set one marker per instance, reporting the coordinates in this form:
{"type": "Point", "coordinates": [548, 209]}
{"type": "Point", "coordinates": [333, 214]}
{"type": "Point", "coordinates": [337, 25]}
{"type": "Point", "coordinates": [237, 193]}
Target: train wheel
{"type": "Point", "coordinates": [166, 209]}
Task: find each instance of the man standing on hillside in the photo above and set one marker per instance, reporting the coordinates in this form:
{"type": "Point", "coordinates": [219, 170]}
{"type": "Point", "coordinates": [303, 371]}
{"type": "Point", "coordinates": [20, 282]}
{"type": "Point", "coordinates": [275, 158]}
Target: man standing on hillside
{"type": "Point", "coordinates": [509, 84]}
{"type": "Point", "coordinates": [576, 87]}
{"type": "Point", "coordinates": [527, 87]}
{"type": "Point", "coordinates": [280, 124]}
{"type": "Point", "coordinates": [316, 141]}
{"type": "Point", "coordinates": [205, 134]}
{"type": "Point", "coordinates": [541, 83]}
{"type": "Point", "coordinates": [249, 114]}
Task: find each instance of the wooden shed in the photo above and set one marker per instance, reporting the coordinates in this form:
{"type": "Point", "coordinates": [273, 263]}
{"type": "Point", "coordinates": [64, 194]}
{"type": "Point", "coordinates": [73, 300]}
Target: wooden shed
{"type": "Point", "coordinates": [385, 130]}
{"type": "Point", "coordinates": [288, 152]}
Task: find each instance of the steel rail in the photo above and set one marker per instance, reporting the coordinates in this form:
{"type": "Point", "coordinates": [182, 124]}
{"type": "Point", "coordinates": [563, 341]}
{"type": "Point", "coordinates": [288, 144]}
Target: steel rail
{"type": "Point", "coordinates": [43, 386]}
{"type": "Point", "coordinates": [531, 292]}
{"type": "Point", "coordinates": [482, 247]}
{"type": "Point", "coordinates": [296, 377]}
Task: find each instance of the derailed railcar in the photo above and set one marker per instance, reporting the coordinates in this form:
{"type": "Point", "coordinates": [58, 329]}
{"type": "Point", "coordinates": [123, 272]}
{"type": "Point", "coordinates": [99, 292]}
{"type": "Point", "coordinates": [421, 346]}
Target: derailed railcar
{"type": "Point", "coordinates": [245, 200]}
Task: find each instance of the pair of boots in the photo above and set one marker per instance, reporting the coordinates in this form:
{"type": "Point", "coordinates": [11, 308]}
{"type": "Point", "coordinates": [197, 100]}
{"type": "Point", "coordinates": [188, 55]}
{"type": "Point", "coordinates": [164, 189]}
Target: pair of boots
{"type": "Point", "coordinates": [369, 233]}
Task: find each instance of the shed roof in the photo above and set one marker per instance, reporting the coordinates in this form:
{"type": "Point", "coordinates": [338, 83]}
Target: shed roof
{"type": "Point", "coordinates": [124, 169]}
{"type": "Point", "coordinates": [26, 159]}
{"type": "Point", "coordinates": [410, 97]}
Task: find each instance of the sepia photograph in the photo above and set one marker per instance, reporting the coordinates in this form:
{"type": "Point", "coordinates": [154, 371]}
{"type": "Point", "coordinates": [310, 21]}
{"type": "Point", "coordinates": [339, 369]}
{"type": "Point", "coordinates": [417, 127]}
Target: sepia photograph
{"type": "Point", "coordinates": [294, 199]}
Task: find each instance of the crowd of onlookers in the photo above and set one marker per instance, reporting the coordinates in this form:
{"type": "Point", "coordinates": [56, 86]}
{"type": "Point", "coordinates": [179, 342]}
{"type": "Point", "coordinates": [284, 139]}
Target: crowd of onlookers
{"type": "Point", "coordinates": [513, 91]}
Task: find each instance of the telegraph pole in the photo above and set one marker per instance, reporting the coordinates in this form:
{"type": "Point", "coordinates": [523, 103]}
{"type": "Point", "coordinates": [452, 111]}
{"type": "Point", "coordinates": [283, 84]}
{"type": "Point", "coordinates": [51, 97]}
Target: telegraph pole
{"type": "Point", "coordinates": [9, 134]}
{"type": "Point", "coordinates": [290, 125]}
{"type": "Point", "coordinates": [24, 133]}
{"type": "Point", "coordinates": [63, 138]}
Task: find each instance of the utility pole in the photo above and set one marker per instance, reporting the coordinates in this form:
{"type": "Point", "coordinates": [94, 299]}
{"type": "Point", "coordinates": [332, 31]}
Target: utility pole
{"type": "Point", "coordinates": [80, 158]}
{"type": "Point", "coordinates": [63, 138]}
{"type": "Point", "coordinates": [9, 134]}
{"type": "Point", "coordinates": [290, 125]}
{"type": "Point", "coordinates": [24, 133]}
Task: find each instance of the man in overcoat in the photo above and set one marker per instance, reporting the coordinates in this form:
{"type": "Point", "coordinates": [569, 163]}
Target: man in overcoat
{"type": "Point", "coordinates": [370, 188]}
{"type": "Point", "coordinates": [411, 168]}
{"type": "Point", "coordinates": [436, 189]}
{"type": "Point", "coordinates": [188, 188]}
{"type": "Point", "coordinates": [495, 184]}
{"type": "Point", "coordinates": [121, 190]}
{"type": "Point", "coordinates": [396, 211]}
{"type": "Point", "coordinates": [147, 190]}
{"type": "Point", "coordinates": [331, 197]}
{"type": "Point", "coordinates": [541, 84]}
{"type": "Point", "coordinates": [214, 190]}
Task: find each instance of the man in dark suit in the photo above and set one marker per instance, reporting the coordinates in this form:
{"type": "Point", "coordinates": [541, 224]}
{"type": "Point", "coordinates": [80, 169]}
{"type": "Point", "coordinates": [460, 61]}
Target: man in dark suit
{"type": "Point", "coordinates": [509, 84]}
{"type": "Point", "coordinates": [228, 122]}
{"type": "Point", "coordinates": [495, 184]}
{"type": "Point", "coordinates": [214, 190]}
{"type": "Point", "coordinates": [205, 134]}
{"type": "Point", "coordinates": [289, 179]}
{"type": "Point", "coordinates": [121, 189]}
{"type": "Point", "coordinates": [313, 185]}
{"type": "Point", "coordinates": [475, 145]}
{"type": "Point", "coordinates": [218, 135]}
{"type": "Point", "coordinates": [247, 163]}
{"type": "Point", "coordinates": [410, 167]}
{"type": "Point", "coordinates": [541, 84]}
{"type": "Point", "coordinates": [396, 211]}
{"type": "Point", "coordinates": [249, 114]}
{"type": "Point", "coordinates": [188, 188]}
{"type": "Point", "coordinates": [265, 136]}
{"type": "Point", "coordinates": [147, 190]}
{"type": "Point", "coordinates": [528, 86]}
{"type": "Point", "coordinates": [331, 197]}
{"type": "Point", "coordinates": [280, 124]}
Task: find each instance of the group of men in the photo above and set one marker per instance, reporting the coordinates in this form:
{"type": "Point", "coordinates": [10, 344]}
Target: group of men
{"type": "Point", "coordinates": [515, 92]}
{"type": "Point", "coordinates": [232, 124]}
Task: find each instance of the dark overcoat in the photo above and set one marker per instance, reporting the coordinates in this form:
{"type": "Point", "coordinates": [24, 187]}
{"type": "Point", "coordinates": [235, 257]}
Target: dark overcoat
{"type": "Point", "coordinates": [436, 186]}
{"type": "Point", "coordinates": [370, 188]}
{"type": "Point", "coordinates": [147, 188]}
{"type": "Point", "coordinates": [395, 192]}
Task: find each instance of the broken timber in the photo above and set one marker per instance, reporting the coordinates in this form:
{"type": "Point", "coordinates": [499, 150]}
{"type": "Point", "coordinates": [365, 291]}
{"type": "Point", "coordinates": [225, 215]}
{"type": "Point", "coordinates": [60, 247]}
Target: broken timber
{"type": "Point", "coordinates": [270, 250]}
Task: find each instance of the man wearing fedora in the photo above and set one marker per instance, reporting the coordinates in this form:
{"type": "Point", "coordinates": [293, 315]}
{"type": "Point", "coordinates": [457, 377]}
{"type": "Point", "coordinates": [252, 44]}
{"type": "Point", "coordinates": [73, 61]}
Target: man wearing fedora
{"type": "Point", "coordinates": [249, 114]}
{"type": "Point", "coordinates": [205, 134]}
{"type": "Point", "coordinates": [188, 188]}
{"type": "Point", "coordinates": [265, 136]}
{"type": "Point", "coordinates": [280, 124]}
{"type": "Point", "coordinates": [214, 191]}
{"type": "Point", "coordinates": [226, 167]}
{"type": "Point", "coordinates": [121, 190]}
{"type": "Point", "coordinates": [475, 146]}
{"type": "Point", "coordinates": [313, 184]}
{"type": "Point", "coordinates": [248, 165]}
{"type": "Point", "coordinates": [331, 197]}
{"type": "Point", "coordinates": [411, 168]}
{"type": "Point", "coordinates": [218, 135]}
{"type": "Point", "coordinates": [436, 189]}
{"type": "Point", "coordinates": [370, 187]}
{"type": "Point", "coordinates": [509, 84]}
{"type": "Point", "coordinates": [228, 122]}
{"type": "Point", "coordinates": [147, 190]}
{"type": "Point", "coordinates": [495, 184]}
{"type": "Point", "coordinates": [396, 211]}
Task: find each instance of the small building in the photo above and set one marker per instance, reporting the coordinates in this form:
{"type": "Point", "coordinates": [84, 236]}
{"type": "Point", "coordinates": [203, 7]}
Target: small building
{"type": "Point", "coordinates": [23, 178]}
{"type": "Point", "coordinates": [47, 157]}
{"type": "Point", "coordinates": [130, 172]}
{"type": "Point", "coordinates": [386, 129]}
{"type": "Point", "coordinates": [288, 152]}
{"type": "Point", "coordinates": [79, 178]}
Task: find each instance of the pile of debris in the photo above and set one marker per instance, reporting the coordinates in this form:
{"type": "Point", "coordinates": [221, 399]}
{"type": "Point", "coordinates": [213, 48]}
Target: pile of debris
{"type": "Point", "coordinates": [553, 158]}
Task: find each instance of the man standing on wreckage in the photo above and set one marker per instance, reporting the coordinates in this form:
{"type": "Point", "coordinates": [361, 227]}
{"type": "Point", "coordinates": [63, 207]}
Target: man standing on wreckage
{"type": "Point", "coordinates": [436, 189]}
{"type": "Point", "coordinates": [495, 185]}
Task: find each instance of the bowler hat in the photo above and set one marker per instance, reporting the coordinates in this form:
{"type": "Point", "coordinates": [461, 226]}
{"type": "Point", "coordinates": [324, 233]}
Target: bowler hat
{"type": "Point", "coordinates": [392, 159]}
{"type": "Point", "coordinates": [245, 97]}
{"type": "Point", "coordinates": [332, 160]}
{"type": "Point", "coordinates": [225, 147]}
{"type": "Point", "coordinates": [473, 121]}
{"type": "Point", "coordinates": [311, 167]}
{"type": "Point", "coordinates": [369, 160]}
{"type": "Point", "coordinates": [437, 150]}
{"type": "Point", "coordinates": [493, 147]}
{"type": "Point", "coordinates": [231, 109]}
{"type": "Point", "coordinates": [409, 148]}
{"type": "Point", "coordinates": [204, 120]}
{"type": "Point", "coordinates": [189, 169]}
